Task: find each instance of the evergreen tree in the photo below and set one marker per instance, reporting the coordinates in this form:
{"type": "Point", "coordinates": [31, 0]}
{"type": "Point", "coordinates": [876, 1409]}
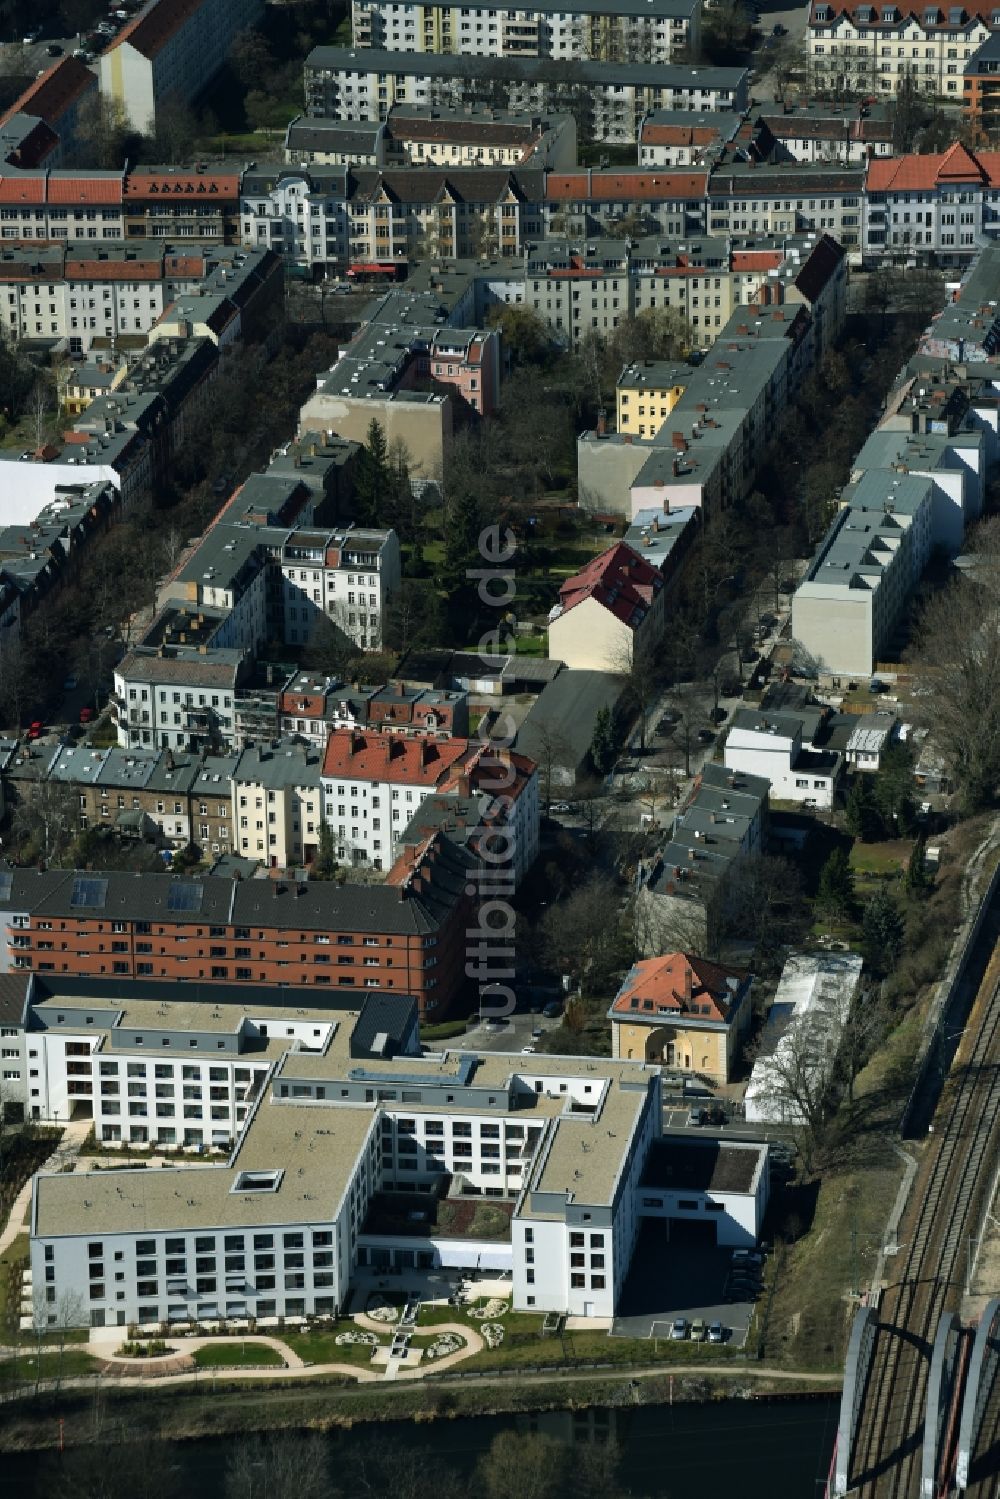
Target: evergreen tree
{"type": "Point", "coordinates": [883, 931]}
{"type": "Point", "coordinates": [325, 865]}
{"type": "Point", "coordinates": [917, 882]}
{"type": "Point", "coordinates": [372, 476]}
{"type": "Point", "coordinates": [835, 894]}
{"type": "Point", "coordinates": [602, 747]}
{"type": "Point", "coordinates": [893, 791]}
{"type": "Point", "coordinates": [861, 814]}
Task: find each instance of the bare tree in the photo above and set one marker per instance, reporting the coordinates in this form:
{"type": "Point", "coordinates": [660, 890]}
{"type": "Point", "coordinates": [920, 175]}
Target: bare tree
{"type": "Point", "coordinates": [636, 660]}
{"type": "Point", "coordinates": [278, 1466]}
{"type": "Point", "coordinates": [958, 661]}
{"type": "Point", "coordinates": [47, 814]}
{"type": "Point", "coordinates": [552, 752]}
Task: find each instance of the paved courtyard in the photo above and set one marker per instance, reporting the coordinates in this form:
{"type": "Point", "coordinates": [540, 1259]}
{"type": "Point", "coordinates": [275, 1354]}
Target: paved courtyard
{"type": "Point", "coordinates": [678, 1279]}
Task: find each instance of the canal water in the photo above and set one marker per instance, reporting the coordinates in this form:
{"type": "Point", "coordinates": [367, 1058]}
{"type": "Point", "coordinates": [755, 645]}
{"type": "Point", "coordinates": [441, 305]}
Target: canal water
{"type": "Point", "coordinates": [756, 1449]}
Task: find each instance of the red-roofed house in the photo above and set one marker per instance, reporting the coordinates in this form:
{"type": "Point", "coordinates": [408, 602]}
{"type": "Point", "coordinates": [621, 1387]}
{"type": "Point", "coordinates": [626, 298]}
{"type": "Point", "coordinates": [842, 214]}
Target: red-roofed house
{"type": "Point", "coordinates": [605, 609]}
{"type": "Point", "coordinates": [683, 1011]}
{"type": "Point", "coordinates": [374, 782]}
{"type": "Point", "coordinates": [916, 206]}
{"type": "Point", "coordinates": [169, 52]}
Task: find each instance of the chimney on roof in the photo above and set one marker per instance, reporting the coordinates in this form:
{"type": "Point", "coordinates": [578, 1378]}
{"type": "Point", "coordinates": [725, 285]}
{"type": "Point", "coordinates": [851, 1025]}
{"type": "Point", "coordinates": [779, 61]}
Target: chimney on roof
{"type": "Point", "coordinates": [602, 423]}
{"type": "Point", "coordinates": [687, 982]}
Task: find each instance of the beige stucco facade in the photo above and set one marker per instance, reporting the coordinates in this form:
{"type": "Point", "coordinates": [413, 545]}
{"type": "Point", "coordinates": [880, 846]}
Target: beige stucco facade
{"type": "Point", "coordinates": [711, 1050]}
{"type": "Point", "coordinates": [422, 422]}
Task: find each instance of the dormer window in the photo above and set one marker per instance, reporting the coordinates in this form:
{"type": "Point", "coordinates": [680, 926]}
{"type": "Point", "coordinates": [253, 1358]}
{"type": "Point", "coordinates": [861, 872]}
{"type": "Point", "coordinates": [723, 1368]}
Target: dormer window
{"type": "Point", "coordinates": [822, 13]}
{"type": "Point", "coordinates": [889, 13]}
{"type": "Point", "coordinates": [931, 16]}
{"type": "Point", "coordinates": [956, 15]}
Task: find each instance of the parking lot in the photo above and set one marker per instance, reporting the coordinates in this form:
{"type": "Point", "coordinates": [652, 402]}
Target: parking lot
{"type": "Point", "coordinates": [684, 1278]}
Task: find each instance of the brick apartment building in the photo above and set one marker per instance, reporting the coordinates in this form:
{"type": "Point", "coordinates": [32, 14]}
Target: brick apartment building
{"type": "Point", "coordinates": [408, 935]}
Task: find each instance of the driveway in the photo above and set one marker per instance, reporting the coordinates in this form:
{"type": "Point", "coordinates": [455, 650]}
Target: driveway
{"type": "Point", "coordinates": [674, 1279]}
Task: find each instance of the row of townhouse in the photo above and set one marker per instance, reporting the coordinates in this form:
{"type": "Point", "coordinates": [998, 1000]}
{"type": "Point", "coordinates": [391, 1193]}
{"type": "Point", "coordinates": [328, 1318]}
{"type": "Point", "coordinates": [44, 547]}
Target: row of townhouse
{"type": "Point", "coordinates": [870, 48]}
{"type": "Point", "coordinates": [415, 135]}
{"type": "Point", "coordinates": [178, 796]}
{"type": "Point", "coordinates": [110, 295]}
{"type": "Point", "coordinates": [407, 934]}
{"type": "Point", "coordinates": [135, 203]}
{"type": "Point", "coordinates": [608, 100]}
{"type": "Point", "coordinates": [696, 436]}
{"type": "Point", "coordinates": [374, 222]}
{"type": "Point", "coordinates": [165, 56]}
{"type": "Point", "coordinates": [569, 1151]}
{"type": "Point", "coordinates": [589, 30]}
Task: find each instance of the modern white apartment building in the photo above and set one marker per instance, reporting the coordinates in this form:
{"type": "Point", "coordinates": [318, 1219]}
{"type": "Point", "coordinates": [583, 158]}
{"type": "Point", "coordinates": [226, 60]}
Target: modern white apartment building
{"type": "Point", "coordinates": [168, 53]}
{"type": "Point", "coordinates": [629, 31]}
{"type": "Point", "coordinates": [870, 48]}
{"type": "Point", "coordinates": [374, 782]}
{"type": "Point", "coordinates": [350, 1145]}
{"type": "Point", "coordinates": [865, 569]}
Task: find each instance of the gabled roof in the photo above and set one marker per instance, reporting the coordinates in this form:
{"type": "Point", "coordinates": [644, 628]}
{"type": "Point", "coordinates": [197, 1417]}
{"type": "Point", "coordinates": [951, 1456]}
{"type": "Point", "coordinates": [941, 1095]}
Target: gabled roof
{"type": "Point", "coordinates": [620, 580]}
{"type": "Point", "coordinates": [879, 13]}
{"type": "Point", "coordinates": [925, 173]}
{"type": "Point", "coordinates": [675, 985]}
{"type": "Point", "coordinates": [150, 32]}
{"type": "Point", "coordinates": [54, 92]}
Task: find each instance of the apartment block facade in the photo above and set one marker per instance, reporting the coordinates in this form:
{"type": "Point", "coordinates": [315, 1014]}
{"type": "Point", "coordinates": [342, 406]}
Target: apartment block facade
{"type": "Point", "coordinates": [871, 48]}
{"type": "Point", "coordinates": [592, 30]}
{"type": "Point", "coordinates": [407, 935]}
{"type": "Point", "coordinates": [609, 99]}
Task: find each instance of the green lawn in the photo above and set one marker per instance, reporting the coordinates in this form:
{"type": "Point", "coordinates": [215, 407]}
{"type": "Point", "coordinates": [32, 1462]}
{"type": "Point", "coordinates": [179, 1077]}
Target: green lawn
{"type": "Point", "coordinates": [321, 1348]}
{"type": "Point", "coordinates": [237, 1353]}
{"type": "Point", "coordinates": [16, 1254]}
{"type": "Point", "coordinates": [890, 857]}
{"type": "Point", "coordinates": [22, 1371]}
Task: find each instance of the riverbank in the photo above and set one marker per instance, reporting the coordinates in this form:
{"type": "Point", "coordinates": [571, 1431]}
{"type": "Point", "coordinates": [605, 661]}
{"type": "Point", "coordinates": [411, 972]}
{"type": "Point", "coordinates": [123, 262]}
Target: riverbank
{"type": "Point", "coordinates": [240, 1402]}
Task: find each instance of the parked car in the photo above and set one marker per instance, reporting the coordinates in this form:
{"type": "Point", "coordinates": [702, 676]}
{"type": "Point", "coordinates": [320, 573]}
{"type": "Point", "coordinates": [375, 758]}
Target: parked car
{"type": "Point", "coordinates": [716, 1332]}
{"type": "Point", "coordinates": [559, 807]}
{"type": "Point", "coordinates": [679, 1329]}
{"type": "Point", "coordinates": [697, 1117]}
{"type": "Point", "coordinates": [527, 1051]}
{"type": "Point", "coordinates": [697, 1331]}
{"type": "Point", "coordinates": [553, 1010]}
{"type": "Point", "coordinates": [53, 50]}
{"type": "Point", "coordinates": [779, 30]}
{"type": "Point", "coordinates": [537, 1033]}
{"type": "Point", "coordinates": [36, 730]}
{"type": "Point", "coordinates": [31, 37]}
{"type": "Point", "coordinates": [706, 736]}
{"type": "Point", "coordinates": [747, 1257]}
{"type": "Point", "coordinates": [86, 715]}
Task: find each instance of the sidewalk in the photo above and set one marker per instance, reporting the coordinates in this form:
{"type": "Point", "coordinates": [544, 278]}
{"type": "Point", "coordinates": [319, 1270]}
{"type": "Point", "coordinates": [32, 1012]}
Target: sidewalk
{"type": "Point", "coordinates": [65, 1152]}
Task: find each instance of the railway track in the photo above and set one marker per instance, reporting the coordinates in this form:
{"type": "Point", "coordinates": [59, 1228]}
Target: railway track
{"type": "Point", "coordinates": [959, 1159]}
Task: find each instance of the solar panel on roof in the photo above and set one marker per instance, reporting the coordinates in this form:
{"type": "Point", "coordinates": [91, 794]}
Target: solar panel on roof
{"type": "Point", "coordinates": [6, 885]}
{"type": "Point", "coordinates": [89, 892]}
{"type": "Point", "coordinates": [185, 895]}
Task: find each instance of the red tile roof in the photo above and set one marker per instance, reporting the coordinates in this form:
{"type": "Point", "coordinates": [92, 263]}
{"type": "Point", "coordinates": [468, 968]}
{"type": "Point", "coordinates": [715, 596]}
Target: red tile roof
{"type": "Point", "coordinates": [51, 95]}
{"type": "Point", "coordinates": [970, 10]}
{"type": "Point", "coordinates": [607, 187]}
{"type": "Point", "coordinates": [22, 189]}
{"type": "Point", "coordinates": [620, 580]}
{"type": "Point", "coordinates": [149, 33]}
{"type": "Point", "coordinates": [756, 260]}
{"type": "Point", "coordinates": [679, 135]}
{"type": "Point", "coordinates": [354, 753]}
{"type": "Point", "coordinates": [678, 984]}
{"type": "Point", "coordinates": [925, 173]}
{"type": "Point", "coordinates": [163, 184]}
{"type": "Point", "coordinates": [70, 187]}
